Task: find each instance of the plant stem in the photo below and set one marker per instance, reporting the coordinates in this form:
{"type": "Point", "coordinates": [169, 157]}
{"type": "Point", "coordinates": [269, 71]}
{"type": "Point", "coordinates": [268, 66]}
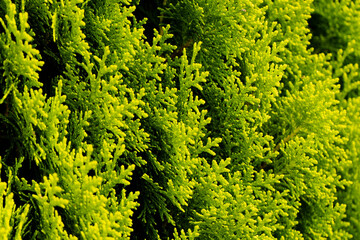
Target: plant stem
{"type": "Point", "coordinates": [287, 139]}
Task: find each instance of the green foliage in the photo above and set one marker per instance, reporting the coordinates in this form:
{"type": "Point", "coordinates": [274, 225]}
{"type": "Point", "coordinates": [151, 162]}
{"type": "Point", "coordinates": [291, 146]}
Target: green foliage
{"type": "Point", "coordinates": [10, 214]}
{"type": "Point", "coordinates": [179, 119]}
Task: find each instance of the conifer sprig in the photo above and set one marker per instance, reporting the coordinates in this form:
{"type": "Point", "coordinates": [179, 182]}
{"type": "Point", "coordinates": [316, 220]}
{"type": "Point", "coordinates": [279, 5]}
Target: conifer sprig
{"type": "Point", "coordinates": [164, 119]}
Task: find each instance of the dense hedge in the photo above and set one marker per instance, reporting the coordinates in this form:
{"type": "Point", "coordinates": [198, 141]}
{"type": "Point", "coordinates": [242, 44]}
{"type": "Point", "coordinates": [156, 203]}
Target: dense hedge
{"type": "Point", "coordinates": [180, 119]}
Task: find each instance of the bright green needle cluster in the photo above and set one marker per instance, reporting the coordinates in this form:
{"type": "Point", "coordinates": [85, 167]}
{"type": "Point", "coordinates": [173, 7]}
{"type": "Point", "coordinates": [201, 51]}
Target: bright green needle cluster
{"type": "Point", "coordinates": [179, 119]}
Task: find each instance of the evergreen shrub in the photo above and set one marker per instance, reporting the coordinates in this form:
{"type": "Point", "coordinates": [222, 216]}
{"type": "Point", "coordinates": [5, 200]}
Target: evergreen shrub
{"type": "Point", "coordinates": [179, 119]}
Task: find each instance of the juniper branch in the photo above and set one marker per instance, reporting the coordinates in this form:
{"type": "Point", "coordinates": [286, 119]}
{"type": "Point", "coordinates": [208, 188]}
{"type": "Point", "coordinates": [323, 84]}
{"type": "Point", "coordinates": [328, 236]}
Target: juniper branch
{"type": "Point", "coordinates": [161, 19]}
{"type": "Point", "coordinates": [287, 139]}
{"type": "Point", "coordinates": [179, 50]}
